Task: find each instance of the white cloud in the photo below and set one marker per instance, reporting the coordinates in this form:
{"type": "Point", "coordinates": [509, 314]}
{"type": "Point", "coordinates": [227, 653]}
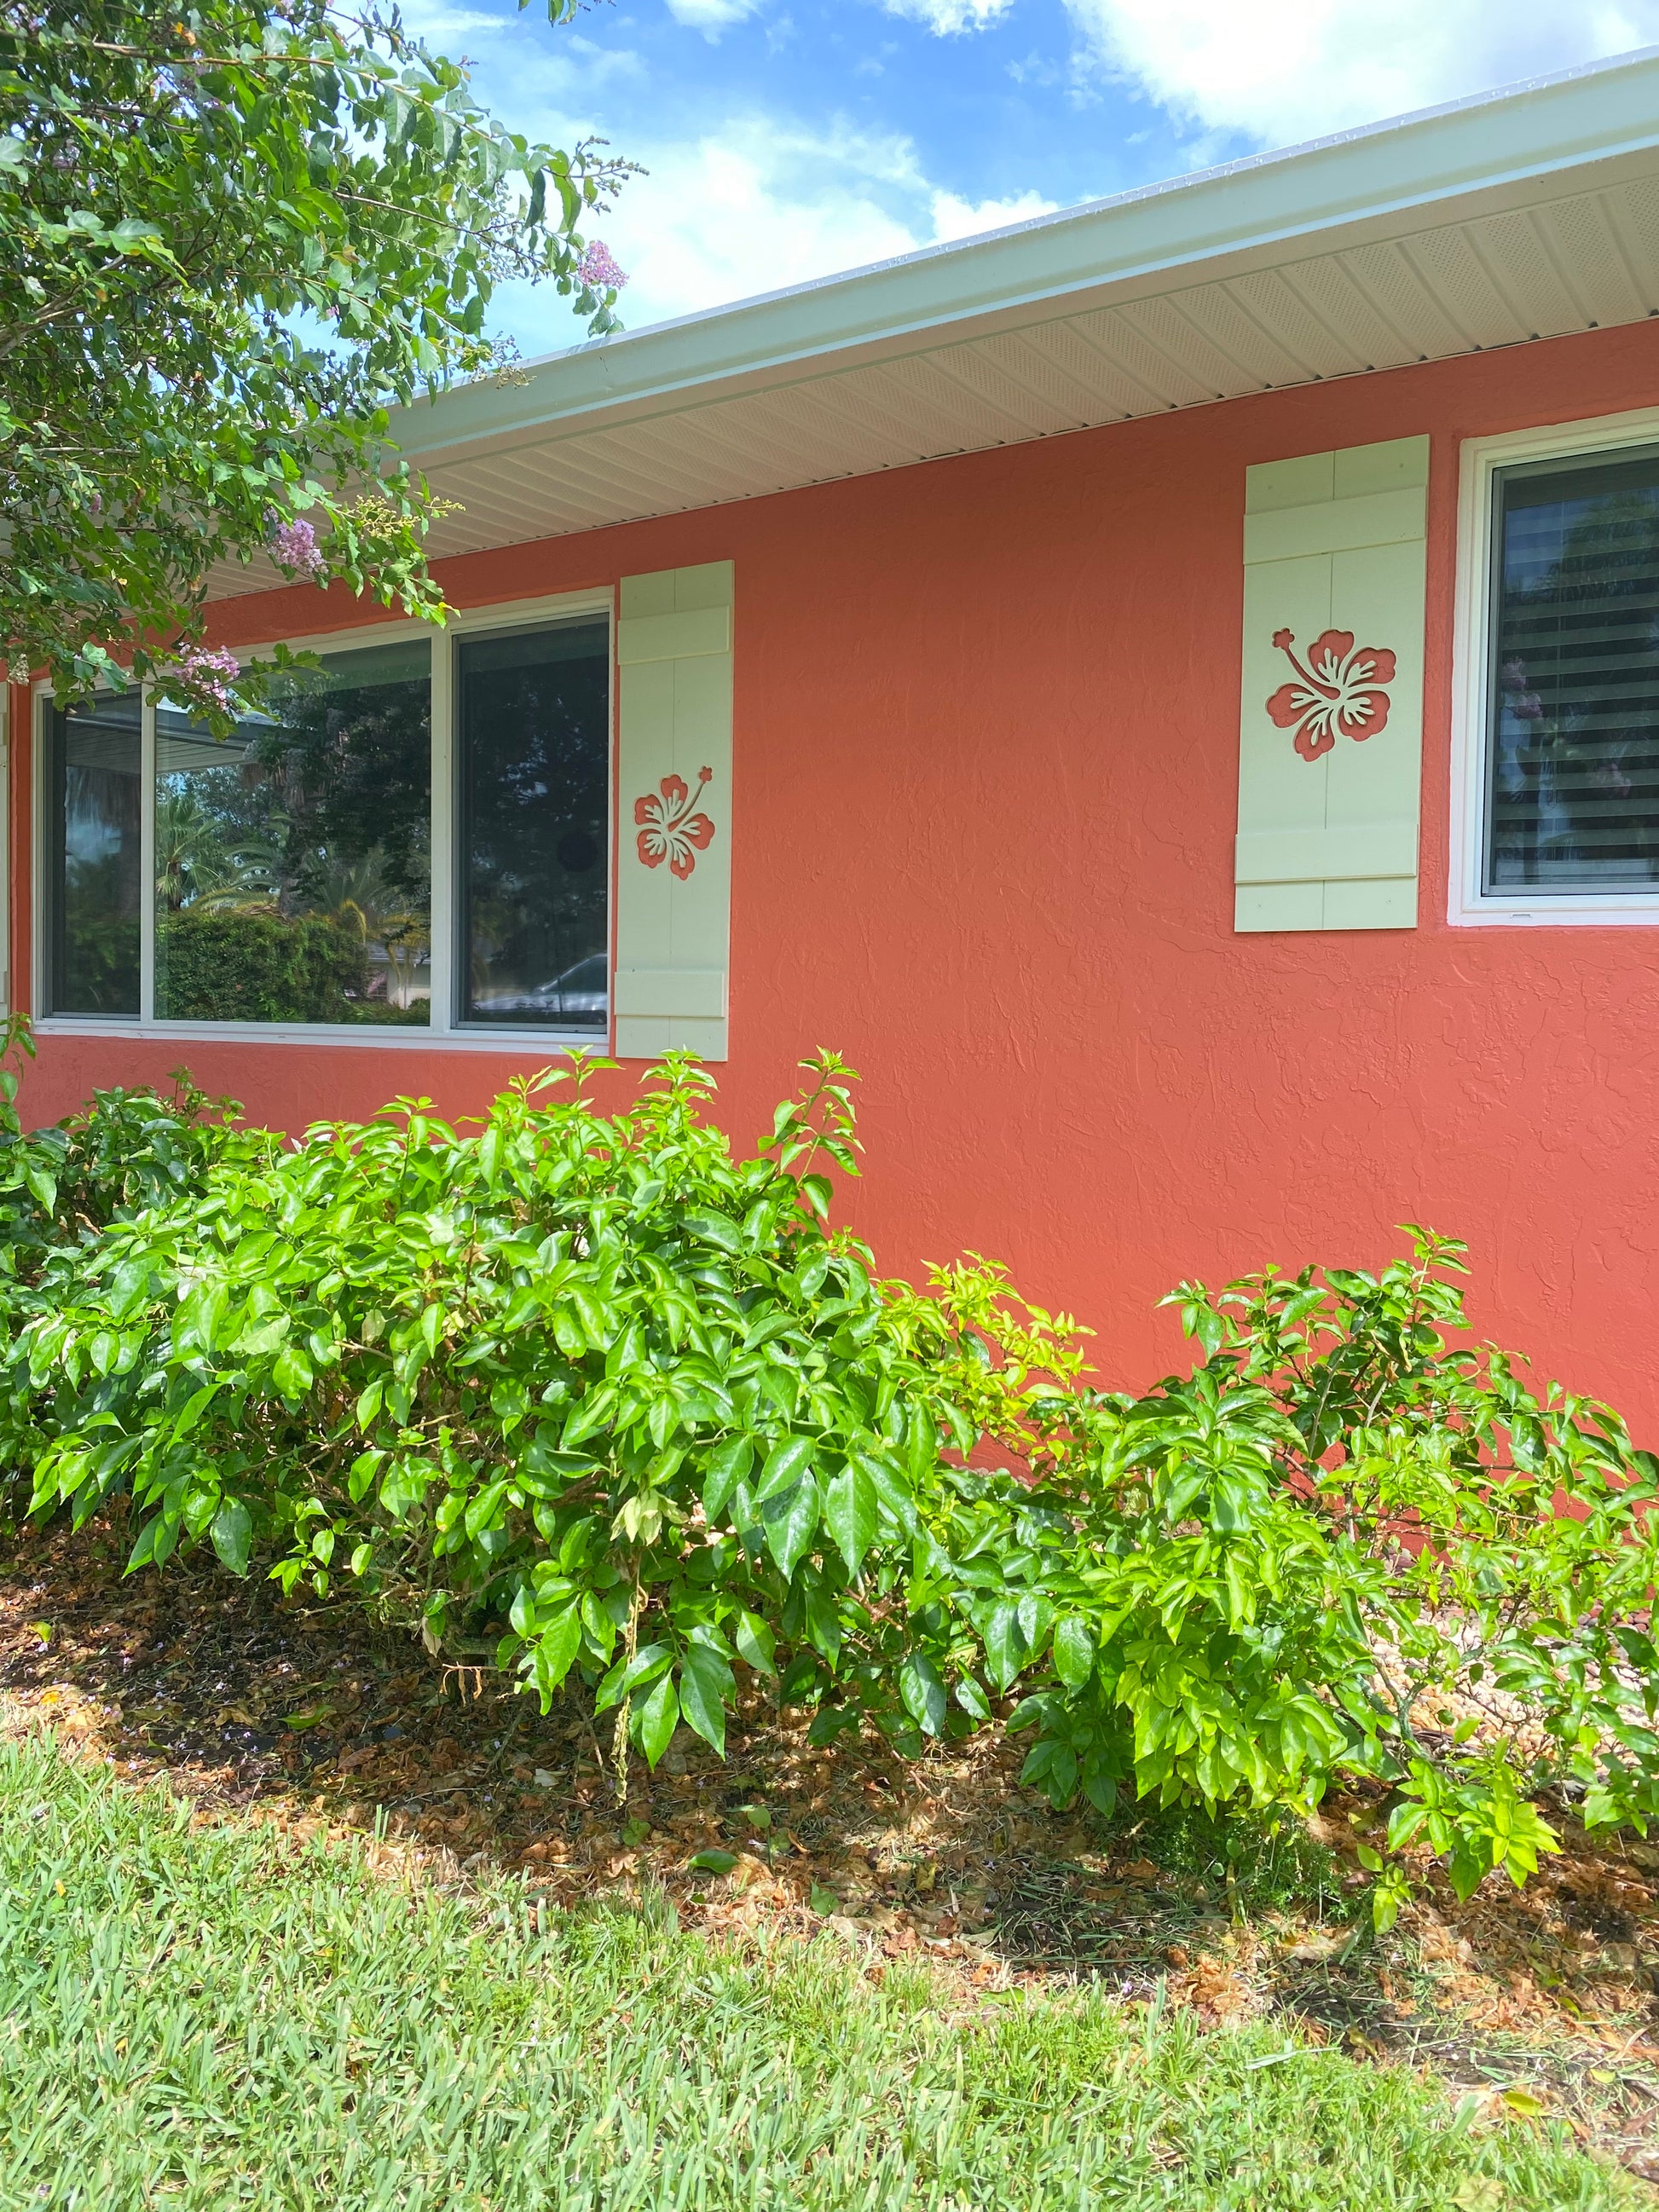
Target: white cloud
{"type": "Point", "coordinates": [761, 207]}
{"type": "Point", "coordinates": [755, 208]}
{"type": "Point", "coordinates": [712, 16]}
{"type": "Point", "coordinates": [960, 218]}
{"type": "Point", "coordinates": [1285, 70]}
{"type": "Point", "coordinates": [523, 81]}
{"type": "Point", "coordinates": [944, 18]}
{"type": "Point", "coordinates": [750, 204]}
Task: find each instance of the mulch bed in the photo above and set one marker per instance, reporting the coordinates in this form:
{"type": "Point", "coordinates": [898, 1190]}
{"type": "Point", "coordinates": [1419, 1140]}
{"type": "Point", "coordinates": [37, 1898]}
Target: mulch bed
{"type": "Point", "coordinates": [1541, 2000]}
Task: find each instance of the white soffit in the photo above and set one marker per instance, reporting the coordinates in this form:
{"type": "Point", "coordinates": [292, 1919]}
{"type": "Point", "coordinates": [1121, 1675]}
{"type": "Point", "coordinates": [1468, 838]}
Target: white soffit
{"type": "Point", "coordinates": [1527, 214]}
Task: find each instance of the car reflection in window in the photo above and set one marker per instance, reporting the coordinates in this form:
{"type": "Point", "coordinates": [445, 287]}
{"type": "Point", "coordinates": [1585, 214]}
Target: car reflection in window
{"type": "Point", "coordinates": [578, 997]}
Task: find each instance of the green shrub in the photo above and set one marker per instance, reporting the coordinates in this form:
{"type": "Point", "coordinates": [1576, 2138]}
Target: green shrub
{"type": "Point", "coordinates": [590, 1396]}
{"type": "Point", "coordinates": [1346, 1547]}
{"type": "Point", "coordinates": [228, 965]}
{"type": "Point", "coordinates": [99, 971]}
{"type": "Point", "coordinates": [126, 1151]}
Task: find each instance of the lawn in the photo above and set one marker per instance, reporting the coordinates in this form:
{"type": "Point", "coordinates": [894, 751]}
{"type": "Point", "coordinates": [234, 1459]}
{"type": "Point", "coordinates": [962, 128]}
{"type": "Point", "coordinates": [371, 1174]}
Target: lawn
{"type": "Point", "coordinates": [206, 2012]}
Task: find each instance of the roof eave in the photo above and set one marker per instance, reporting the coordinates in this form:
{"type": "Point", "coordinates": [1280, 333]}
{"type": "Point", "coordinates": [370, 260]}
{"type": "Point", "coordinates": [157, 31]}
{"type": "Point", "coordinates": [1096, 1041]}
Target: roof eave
{"type": "Point", "coordinates": [1463, 158]}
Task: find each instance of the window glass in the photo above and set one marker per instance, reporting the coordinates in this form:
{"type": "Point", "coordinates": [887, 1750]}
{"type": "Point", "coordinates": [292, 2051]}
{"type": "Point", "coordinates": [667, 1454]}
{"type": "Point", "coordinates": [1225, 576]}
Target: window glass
{"type": "Point", "coordinates": [532, 739]}
{"type": "Point", "coordinates": [294, 858]}
{"type": "Point", "coordinates": [94, 868]}
{"type": "Point", "coordinates": [1573, 801]}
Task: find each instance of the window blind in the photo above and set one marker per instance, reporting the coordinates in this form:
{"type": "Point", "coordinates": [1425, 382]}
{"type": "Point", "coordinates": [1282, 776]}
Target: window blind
{"type": "Point", "coordinates": [1572, 757]}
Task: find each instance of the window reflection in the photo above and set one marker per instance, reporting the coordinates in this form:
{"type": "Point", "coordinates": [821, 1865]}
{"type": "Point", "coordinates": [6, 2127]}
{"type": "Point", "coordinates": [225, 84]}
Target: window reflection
{"type": "Point", "coordinates": [1573, 753]}
{"type": "Point", "coordinates": [292, 860]}
{"type": "Point", "coordinates": [94, 872]}
{"type": "Point", "coordinates": [533, 744]}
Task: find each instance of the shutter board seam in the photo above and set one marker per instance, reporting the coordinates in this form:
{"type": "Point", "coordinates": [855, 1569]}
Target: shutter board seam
{"type": "Point", "coordinates": [648, 992]}
{"type": "Point", "coordinates": [694, 634]}
{"type": "Point", "coordinates": [1335, 525]}
{"type": "Point", "coordinates": [1406, 465]}
{"type": "Point", "coordinates": [1337, 852]}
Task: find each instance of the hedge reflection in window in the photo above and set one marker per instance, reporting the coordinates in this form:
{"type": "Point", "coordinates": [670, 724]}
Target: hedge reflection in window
{"type": "Point", "coordinates": [293, 860]}
{"type": "Point", "coordinates": [1573, 748]}
{"type": "Point", "coordinates": [532, 727]}
{"type": "Point", "coordinates": [94, 870]}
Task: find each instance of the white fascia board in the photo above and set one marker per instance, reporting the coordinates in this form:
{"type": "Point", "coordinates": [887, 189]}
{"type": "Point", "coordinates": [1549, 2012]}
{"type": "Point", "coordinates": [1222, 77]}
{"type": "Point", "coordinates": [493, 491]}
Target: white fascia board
{"type": "Point", "coordinates": [1469, 157]}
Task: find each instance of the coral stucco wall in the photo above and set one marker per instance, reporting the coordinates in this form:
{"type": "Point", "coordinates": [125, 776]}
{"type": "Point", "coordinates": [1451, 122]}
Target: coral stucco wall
{"type": "Point", "coordinates": [985, 779]}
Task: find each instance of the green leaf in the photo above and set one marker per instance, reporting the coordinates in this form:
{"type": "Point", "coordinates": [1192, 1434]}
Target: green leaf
{"type": "Point", "coordinates": [292, 1372]}
{"type": "Point", "coordinates": [923, 1692]}
{"type": "Point", "coordinates": [1036, 1613]}
{"type": "Point", "coordinates": [134, 236]}
{"type": "Point", "coordinates": [557, 1642]}
{"type": "Point", "coordinates": [597, 1323]}
{"type": "Point", "coordinates": [483, 1510]}
{"type": "Point", "coordinates": [817, 1192]}
{"type": "Point", "coordinates": [714, 1861]}
{"type": "Point", "coordinates": [233, 1535]}
{"type": "Point", "coordinates": [789, 1519]}
{"type": "Point", "coordinates": [756, 1643]}
{"type": "Point", "coordinates": [921, 1443]}
{"type": "Point", "coordinates": [1099, 1788]}
{"type": "Point", "coordinates": [657, 1717]}
{"type": "Point", "coordinates": [712, 1229]}
{"type": "Point", "coordinates": [1005, 1647]}
{"type": "Point", "coordinates": [852, 1514]}
{"type": "Point", "coordinates": [1074, 1651]}
{"type": "Point", "coordinates": [891, 1489]}
{"type": "Point", "coordinates": [725, 1469]}
{"type": "Point", "coordinates": [972, 1699]}
{"type": "Point", "coordinates": [823, 1901]}
{"type": "Point", "coordinates": [627, 1675]}
{"type": "Point", "coordinates": [707, 1687]}
{"type": "Point", "coordinates": [785, 1463]}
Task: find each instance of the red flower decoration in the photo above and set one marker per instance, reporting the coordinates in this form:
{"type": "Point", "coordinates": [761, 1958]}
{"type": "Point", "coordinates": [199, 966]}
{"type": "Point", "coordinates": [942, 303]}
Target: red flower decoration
{"type": "Point", "coordinates": [1340, 691]}
{"type": "Point", "coordinates": [669, 830]}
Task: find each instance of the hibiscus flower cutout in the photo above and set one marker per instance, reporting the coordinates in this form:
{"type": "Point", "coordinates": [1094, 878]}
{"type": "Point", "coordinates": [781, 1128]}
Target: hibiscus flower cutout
{"type": "Point", "coordinates": [1338, 691]}
{"type": "Point", "coordinates": [669, 828]}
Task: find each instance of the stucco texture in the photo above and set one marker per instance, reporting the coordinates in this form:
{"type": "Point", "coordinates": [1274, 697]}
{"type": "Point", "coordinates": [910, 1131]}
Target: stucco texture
{"type": "Point", "coordinates": [983, 804]}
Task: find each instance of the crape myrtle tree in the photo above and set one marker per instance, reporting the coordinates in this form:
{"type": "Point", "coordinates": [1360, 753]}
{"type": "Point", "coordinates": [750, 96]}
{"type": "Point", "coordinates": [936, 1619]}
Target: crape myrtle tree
{"type": "Point", "coordinates": [233, 235]}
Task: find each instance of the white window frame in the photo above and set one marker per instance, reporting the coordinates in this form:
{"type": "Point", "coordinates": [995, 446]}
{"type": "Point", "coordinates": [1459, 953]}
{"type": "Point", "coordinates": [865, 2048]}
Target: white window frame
{"type": "Point", "coordinates": [1469, 905]}
{"type": "Point", "coordinates": [443, 1031]}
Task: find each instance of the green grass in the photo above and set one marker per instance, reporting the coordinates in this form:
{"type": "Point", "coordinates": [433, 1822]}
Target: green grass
{"type": "Point", "coordinates": [216, 2019]}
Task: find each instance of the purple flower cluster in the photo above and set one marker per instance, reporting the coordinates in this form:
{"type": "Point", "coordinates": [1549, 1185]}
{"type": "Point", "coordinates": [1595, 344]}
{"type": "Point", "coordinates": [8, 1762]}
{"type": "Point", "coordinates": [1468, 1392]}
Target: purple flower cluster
{"type": "Point", "coordinates": [212, 670]}
{"type": "Point", "coordinates": [598, 267]}
{"type": "Point", "coordinates": [293, 546]}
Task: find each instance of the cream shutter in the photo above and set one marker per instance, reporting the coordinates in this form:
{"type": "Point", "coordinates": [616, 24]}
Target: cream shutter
{"type": "Point", "coordinates": [674, 763]}
{"type": "Point", "coordinates": [1331, 734]}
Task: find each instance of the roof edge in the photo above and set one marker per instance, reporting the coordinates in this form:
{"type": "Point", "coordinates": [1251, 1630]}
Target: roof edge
{"type": "Point", "coordinates": [1592, 114]}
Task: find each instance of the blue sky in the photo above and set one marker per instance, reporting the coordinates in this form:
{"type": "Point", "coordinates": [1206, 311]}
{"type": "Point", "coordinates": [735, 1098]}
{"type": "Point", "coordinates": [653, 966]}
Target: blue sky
{"type": "Point", "coordinates": [787, 139]}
